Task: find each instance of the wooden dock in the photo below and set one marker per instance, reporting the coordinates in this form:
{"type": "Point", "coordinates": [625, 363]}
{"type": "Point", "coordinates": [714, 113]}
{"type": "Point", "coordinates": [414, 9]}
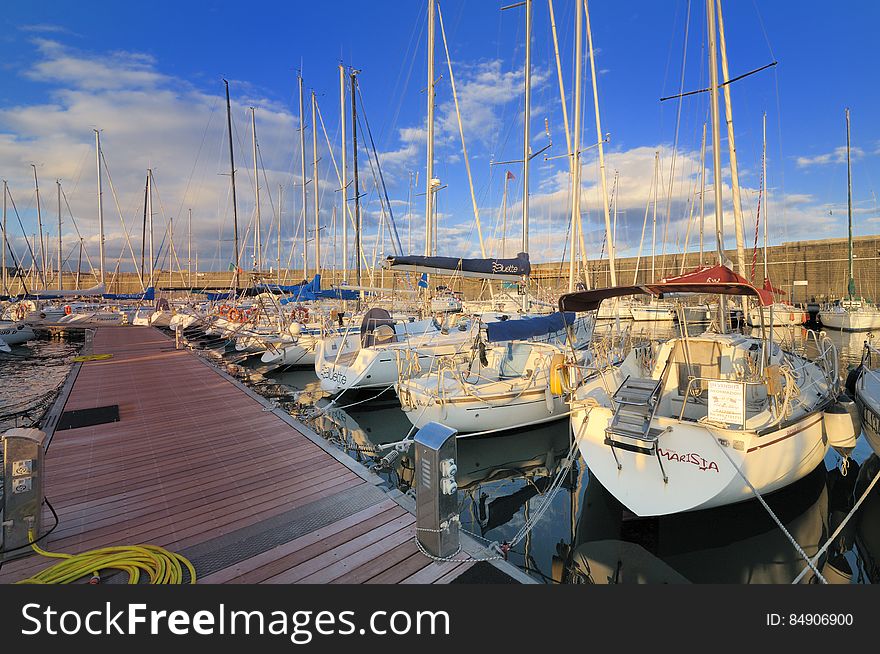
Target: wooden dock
{"type": "Point", "coordinates": [201, 465]}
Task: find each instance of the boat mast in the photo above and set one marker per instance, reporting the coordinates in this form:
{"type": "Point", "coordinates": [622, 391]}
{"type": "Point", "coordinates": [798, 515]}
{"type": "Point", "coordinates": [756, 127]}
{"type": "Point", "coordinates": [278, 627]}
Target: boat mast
{"type": "Point", "coordinates": [576, 144]}
{"type": "Point", "coordinates": [235, 278]}
{"type": "Point", "coordinates": [150, 221]}
{"type": "Point", "coordinates": [357, 199]}
{"type": "Point", "coordinates": [100, 202]}
{"type": "Point", "coordinates": [342, 112]}
{"type": "Point", "coordinates": [526, 144]}
{"type": "Point", "coordinates": [60, 255]}
{"type": "Point", "coordinates": [258, 245]}
{"type": "Point", "coordinates": [654, 216]}
{"type": "Point", "coordinates": [189, 250]}
{"type": "Point", "coordinates": [315, 190]}
{"type": "Point", "coordinates": [734, 169]}
{"type": "Point", "coordinates": [171, 251]}
{"type": "Point", "coordinates": [764, 191]}
{"type": "Point", "coordinates": [79, 261]}
{"type": "Point", "coordinates": [280, 200]}
{"type": "Point", "coordinates": [716, 150]}
{"type": "Point", "coordinates": [302, 158]}
{"type": "Point", "coordinates": [429, 177]}
{"type": "Point", "coordinates": [599, 140]}
{"type": "Point", "coordinates": [504, 217]}
{"type": "Point", "coordinates": [702, 191]}
{"type": "Point", "coordinates": [40, 229]}
{"type": "Point", "coordinates": [851, 287]}
{"type": "Point", "coordinates": [4, 245]}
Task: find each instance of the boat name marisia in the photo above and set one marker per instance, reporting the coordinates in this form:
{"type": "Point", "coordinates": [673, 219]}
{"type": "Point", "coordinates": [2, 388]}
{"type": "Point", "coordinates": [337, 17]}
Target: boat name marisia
{"type": "Point", "coordinates": [692, 458]}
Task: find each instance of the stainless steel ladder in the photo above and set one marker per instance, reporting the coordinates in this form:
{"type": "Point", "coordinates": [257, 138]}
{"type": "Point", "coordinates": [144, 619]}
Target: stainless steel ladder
{"type": "Point", "coordinates": [630, 428]}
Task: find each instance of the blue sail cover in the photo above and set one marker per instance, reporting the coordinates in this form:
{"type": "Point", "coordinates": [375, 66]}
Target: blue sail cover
{"type": "Point", "coordinates": [149, 294]}
{"type": "Point", "coordinates": [216, 297]}
{"type": "Point", "coordinates": [526, 328]}
{"type": "Point", "coordinates": [339, 294]}
{"type": "Point", "coordinates": [313, 286]}
{"type": "Point", "coordinates": [482, 268]}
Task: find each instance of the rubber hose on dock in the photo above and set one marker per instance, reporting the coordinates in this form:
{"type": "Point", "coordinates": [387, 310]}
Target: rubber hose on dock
{"type": "Point", "coordinates": [163, 567]}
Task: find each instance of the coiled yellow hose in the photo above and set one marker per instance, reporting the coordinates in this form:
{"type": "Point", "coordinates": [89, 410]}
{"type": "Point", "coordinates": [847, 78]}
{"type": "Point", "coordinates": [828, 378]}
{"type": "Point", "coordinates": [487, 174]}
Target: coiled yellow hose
{"type": "Point", "coordinates": [163, 567]}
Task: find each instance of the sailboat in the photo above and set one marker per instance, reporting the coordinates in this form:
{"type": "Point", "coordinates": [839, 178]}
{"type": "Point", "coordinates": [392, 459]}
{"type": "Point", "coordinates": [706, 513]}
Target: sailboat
{"type": "Point", "coordinates": [852, 313]}
{"type": "Point", "coordinates": [778, 313]}
{"type": "Point", "coordinates": [696, 422]}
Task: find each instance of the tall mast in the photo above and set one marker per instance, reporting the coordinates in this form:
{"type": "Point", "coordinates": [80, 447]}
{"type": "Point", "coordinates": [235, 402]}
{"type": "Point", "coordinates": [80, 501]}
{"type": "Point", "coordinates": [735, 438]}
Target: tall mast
{"type": "Point", "coordinates": [527, 136]}
{"type": "Point", "coordinates": [702, 191]}
{"type": "Point", "coordinates": [79, 261]}
{"type": "Point", "coordinates": [235, 279]}
{"type": "Point", "coordinates": [342, 112]}
{"type": "Point", "coordinates": [357, 199]}
{"type": "Point", "coordinates": [602, 176]}
{"type": "Point", "coordinates": [302, 158]}
{"type": "Point", "coordinates": [851, 287]}
{"type": "Point", "coordinates": [280, 205]}
{"type": "Point", "coordinates": [315, 179]}
{"type": "Point", "coordinates": [40, 228]}
{"type": "Point", "coordinates": [171, 251]}
{"type": "Point", "coordinates": [429, 177]}
{"type": "Point", "coordinates": [189, 250]}
{"type": "Point", "coordinates": [144, 230]}
{"type": "Point", "coordinates": [60, 256]}
{"type": "Point", "coordinates": [258, 245]}
{"type": "Point", "coordinates": [734, 170]}
{"type": "Point", "coordinates": [716, 149]}
{"type": "Point", "coordinates": [100, 202]}
{"type": "Point", "coordinates": [764, 190]}
{"type": "Point", "coordinates": [150, 223]}
{"type": "Point", "coordinates": [654, 217]}
{"type": "Point", "coordinates": [576, 142]}
{"type": "Point", "coordinates": [4, 245]}
{"type": "Point", "coordinates": [504, 217]}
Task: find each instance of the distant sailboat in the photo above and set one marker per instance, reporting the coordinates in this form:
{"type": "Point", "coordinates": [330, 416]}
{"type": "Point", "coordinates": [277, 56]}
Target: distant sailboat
{"type": "Point", "coordinates": [779, 313]}
{"type": "Point", "coordinates": [852, 314]}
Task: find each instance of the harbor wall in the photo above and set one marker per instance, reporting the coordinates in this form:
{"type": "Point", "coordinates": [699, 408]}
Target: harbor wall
{"type": "Point", "coordinates": [822, 264]}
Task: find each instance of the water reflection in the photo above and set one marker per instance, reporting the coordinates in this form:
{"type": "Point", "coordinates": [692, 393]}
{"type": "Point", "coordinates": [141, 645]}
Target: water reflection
{"type": "Point", "coordinates": [734, 544]}
{"type": "Point", "coordinates": [586, 535]}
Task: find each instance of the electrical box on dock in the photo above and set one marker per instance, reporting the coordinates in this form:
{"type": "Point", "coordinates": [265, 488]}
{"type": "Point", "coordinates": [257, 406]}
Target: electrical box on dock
{"type": "Point", "coordinates": [21, 506]}
{"type": "Point", "coordinates": [436, 490]}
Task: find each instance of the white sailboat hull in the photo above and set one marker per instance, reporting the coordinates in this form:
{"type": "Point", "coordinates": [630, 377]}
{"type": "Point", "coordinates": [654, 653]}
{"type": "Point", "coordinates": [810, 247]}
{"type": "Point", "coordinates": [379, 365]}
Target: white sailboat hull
{"type": "Point", "coordinates": [783, 316]}
{"type": "Point", "coordinates": [850, 321]}
{"type": "Point", "coordinates": [491, 413]}
{"type": "Point", "coordinates": [652, 313]}
{"type": "Point", "coordinates": [695, 460]}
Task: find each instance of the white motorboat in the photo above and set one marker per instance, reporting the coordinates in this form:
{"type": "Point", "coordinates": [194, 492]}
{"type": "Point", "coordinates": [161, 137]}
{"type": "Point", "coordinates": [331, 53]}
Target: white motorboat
{"type": "Point", "coordinates": [699, 421]}
{"type": "Point", "coordinates": [15, 333]}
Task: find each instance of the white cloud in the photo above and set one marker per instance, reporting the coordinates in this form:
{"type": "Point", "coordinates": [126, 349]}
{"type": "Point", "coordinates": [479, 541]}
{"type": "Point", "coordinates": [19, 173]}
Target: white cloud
{"type": "Point", "coordinates": [836, 156]}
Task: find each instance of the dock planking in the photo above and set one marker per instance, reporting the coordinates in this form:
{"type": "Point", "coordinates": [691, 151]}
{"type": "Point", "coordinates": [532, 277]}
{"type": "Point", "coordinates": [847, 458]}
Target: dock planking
{"type": "Point", "coordinates": [199, 466]}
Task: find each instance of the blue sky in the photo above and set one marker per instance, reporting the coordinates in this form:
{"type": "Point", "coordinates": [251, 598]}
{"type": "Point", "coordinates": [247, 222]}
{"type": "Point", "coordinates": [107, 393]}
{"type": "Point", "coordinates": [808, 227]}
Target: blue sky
{"type": "Point", "coordinates": [149, 76]}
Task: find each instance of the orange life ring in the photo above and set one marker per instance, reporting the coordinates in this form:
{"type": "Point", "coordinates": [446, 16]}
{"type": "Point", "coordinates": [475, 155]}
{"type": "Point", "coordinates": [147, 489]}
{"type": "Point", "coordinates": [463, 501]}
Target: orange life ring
{"type": "Point", "coordinates": [223, 310]}
{"type": "Point", "coordinates": [234, 315]}
{"type": "Point", "coordinates": [67, 310]}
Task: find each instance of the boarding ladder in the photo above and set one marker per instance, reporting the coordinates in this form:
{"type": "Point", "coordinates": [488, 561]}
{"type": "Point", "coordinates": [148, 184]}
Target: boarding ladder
{"type": "Point", "coordinates": [630, 428]}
